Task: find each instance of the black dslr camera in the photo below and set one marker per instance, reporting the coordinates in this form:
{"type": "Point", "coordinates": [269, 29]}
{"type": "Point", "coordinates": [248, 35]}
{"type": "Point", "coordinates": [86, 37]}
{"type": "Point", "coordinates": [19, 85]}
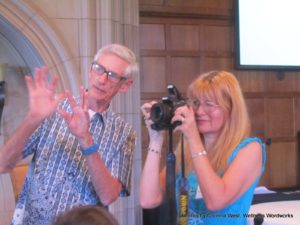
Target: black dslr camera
{"type": "Point", "coordinates": [162, 112]}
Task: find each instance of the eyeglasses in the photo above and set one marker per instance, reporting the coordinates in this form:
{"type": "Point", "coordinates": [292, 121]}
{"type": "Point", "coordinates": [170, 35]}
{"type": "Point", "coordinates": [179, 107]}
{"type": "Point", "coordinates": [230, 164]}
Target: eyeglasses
{"type": "Point", "coordinates": [110, 75]}
{"type": "Point", "coordinates": [208, 106]}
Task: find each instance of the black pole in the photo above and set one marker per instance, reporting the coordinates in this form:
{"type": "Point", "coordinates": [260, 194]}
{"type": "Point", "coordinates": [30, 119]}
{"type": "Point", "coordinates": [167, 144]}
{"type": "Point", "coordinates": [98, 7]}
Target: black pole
{"type": "Point", "coordinates": [184, 191]}
{"type": "Point", "coordinates": [171, 213]}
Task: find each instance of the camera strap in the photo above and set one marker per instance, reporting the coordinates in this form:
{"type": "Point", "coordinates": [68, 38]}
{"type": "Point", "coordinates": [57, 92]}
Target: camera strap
{"type": "Point", "coordinates": [184, 191]}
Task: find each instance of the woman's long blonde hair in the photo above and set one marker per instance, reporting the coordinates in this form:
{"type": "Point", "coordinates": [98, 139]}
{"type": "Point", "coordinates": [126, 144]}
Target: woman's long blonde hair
{"type": "Point", "coordinates": [223, 88]}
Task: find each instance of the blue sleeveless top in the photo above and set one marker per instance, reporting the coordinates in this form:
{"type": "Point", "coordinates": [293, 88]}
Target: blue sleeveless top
{"type": "Point", "coordinates": [233, 214]}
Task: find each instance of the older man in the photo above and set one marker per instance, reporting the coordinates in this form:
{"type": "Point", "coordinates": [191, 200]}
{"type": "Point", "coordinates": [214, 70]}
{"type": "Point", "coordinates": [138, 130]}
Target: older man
{"type": "Point", "coordinates": [82, 150]}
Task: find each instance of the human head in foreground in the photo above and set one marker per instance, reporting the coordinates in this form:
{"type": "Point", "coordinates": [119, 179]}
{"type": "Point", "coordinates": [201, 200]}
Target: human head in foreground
{"type": "Point", "coordinates": [86, 215]}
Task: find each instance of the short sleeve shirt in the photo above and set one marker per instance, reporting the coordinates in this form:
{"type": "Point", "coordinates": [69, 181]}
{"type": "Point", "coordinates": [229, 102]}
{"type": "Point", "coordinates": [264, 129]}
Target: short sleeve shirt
{"type": "Point", "coordinates": [58, 177]}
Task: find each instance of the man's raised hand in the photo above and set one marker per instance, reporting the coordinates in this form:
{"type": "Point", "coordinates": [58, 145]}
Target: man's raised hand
{"type": "Point", "coordinates": [42, 99]}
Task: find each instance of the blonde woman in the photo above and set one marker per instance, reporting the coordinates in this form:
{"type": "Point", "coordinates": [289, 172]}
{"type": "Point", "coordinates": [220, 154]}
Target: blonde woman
{"type": "Point", "coordinates": [223, 163]}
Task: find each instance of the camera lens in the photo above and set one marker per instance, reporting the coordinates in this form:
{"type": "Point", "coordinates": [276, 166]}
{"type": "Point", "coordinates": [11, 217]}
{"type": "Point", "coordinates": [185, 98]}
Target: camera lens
{"type": "Point", "coordinates": [161, 113]}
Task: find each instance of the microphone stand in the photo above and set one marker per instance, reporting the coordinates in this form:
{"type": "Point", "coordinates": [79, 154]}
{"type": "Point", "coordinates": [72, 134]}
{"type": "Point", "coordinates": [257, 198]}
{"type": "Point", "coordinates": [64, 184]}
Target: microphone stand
{"type": "Point", "coordinates": [171, 212]}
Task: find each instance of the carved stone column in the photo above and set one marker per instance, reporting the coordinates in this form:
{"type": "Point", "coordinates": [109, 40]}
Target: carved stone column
{"type": "Point", "coordinates": [117, 22]}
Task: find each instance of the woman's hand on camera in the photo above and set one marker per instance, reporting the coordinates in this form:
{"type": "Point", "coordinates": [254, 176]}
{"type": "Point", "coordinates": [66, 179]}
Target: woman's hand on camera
{"type": "Point", "coordinates": [154, 135]}
{"type": "Point", "coordinates": [188, 126]}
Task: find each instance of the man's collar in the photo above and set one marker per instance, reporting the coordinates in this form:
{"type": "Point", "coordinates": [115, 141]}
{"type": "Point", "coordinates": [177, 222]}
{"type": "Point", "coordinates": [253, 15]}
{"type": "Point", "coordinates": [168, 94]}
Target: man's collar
{"type": "Point", "coordinates": [104, 115]}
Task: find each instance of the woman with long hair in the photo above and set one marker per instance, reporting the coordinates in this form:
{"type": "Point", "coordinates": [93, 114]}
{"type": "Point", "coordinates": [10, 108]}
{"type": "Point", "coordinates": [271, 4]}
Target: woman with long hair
{"type": "Point", "coordinates": [223, 163]}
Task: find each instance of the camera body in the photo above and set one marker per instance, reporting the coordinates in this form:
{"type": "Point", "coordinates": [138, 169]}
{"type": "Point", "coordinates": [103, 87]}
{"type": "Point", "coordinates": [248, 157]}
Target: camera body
{"type": "Point", "coordinates": [162, 112]}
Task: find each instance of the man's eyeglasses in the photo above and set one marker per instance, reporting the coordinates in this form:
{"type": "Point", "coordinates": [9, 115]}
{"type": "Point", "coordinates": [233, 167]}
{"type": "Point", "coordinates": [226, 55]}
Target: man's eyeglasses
{"type": "Point", "coordinates": [208, 106]}
{"type": "Point", "coordinates": [100, 70]}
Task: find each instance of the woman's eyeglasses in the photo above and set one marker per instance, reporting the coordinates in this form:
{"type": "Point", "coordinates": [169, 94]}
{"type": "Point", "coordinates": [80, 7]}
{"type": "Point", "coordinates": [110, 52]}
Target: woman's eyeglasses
{"type": "Point", "coordinates": [208, 106]}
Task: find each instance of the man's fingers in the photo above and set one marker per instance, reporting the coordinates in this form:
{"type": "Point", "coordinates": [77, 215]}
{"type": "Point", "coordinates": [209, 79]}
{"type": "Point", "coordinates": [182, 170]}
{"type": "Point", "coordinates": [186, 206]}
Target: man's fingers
{"type": "Point", "coordinates": [53, 83]}
{"type": "Point", "coordinates": [71, 99]}
{"type": "Point", "coordinates": [29, 83]}
{"type": "Point", "coordinates": [65, 115]}
{"type": "Point", "coordinates": [59, 97]}
{"type": "Point", "coordinates": [86, 101]}
{"type": "Point", "coordinates": [82, 100]}
{"type": "Point", "coordinates": [40, 76]}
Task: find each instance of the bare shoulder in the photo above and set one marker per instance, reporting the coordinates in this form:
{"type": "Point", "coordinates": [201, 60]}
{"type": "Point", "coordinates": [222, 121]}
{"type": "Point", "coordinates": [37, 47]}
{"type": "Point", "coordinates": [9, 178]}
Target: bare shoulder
{"type": "Point", "coordinates": [254, 145]}
{"type": "Point", "coordinates": [252, 149]}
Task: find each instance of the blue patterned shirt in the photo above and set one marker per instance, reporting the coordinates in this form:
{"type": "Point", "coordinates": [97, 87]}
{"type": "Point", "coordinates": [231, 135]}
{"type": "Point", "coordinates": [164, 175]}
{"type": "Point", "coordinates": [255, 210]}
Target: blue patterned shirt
{"type": "Point", "coordinates": [234, 214]}
{"type": "Point", "coordinates": [58, 177]}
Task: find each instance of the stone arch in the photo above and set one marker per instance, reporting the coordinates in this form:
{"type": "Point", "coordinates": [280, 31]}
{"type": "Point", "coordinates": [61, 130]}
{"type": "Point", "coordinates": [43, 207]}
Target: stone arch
{"type": "Point", "coordinates": [27, 41]}
{"type": "Point", "coordinates": [36, 42]}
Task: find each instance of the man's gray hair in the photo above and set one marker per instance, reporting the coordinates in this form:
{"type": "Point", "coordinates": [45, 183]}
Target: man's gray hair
{"type": "Point", "coordinates": [125, 54]}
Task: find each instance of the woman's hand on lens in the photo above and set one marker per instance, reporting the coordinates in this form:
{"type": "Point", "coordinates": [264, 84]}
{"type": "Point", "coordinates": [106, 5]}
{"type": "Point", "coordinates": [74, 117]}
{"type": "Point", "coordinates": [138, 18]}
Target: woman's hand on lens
{"type": "Point", "coordinates": [186, 116]}
{"type": "Point", "coordinates": [154, 135]}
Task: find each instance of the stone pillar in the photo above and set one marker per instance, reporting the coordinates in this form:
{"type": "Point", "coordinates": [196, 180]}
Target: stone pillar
{"type": "Point", "coordinates": [117, 22]}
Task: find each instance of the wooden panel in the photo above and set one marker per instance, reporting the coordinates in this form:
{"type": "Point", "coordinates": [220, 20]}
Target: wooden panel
{"type": "Point", "coordinates": [256, 113]}
{"type": "Point", "coordinates": [190, 3]}
{"type": "Point", "coordinates": [216, 38]}
{"type": "Point", "coordinates": [152, 36]}
{"type": "Point", "coordinates": [288, 84]}
{"type": "Point", "coordinates": [216, 63]}
{"type": "Point", "coordinates": [184, 70]}
{"type": "Point", "coordinates": [251, 81]}
{"type": "Point", "coordinates": [297, 74]}
{"type": "Point", "coordinates": [297, 115]}
{"type": "Point", "coordinates": [200, 3]}
{"type": "Point", "coordinates": [153, 74]}
{"type": "Point", "coordinates": [279, 117]}
{"type": "Point", "coordinates": [184, 37]}
{"type": "Point", "coordinates": [282, 162]}
{"type": "Point", "coordinates": [151, 2]}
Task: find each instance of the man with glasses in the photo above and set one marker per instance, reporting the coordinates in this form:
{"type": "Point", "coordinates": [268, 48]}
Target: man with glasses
{"type": "Point", "coordinates": [82, 150]}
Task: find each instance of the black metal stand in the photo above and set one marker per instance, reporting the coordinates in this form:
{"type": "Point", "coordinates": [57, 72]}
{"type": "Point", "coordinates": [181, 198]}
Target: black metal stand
{"type": "Point", "coordinates": [171, 212]}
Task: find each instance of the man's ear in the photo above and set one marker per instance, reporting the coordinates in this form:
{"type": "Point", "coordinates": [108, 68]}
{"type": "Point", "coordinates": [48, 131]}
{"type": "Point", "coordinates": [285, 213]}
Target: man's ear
{"type": "Point", "coordinates": [126, 85]}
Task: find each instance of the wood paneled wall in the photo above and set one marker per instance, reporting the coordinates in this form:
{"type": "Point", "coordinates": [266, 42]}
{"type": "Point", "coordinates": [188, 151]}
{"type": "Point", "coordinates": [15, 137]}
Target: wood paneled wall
{"type": "Point", "coordinates": [180, 39]}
